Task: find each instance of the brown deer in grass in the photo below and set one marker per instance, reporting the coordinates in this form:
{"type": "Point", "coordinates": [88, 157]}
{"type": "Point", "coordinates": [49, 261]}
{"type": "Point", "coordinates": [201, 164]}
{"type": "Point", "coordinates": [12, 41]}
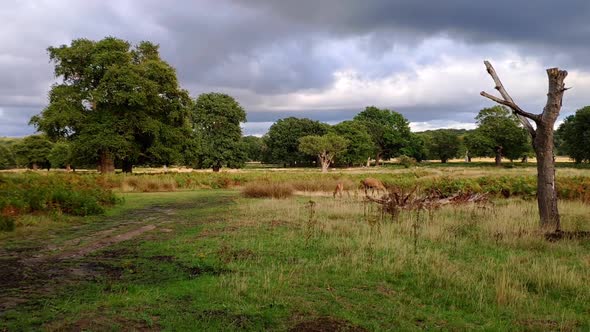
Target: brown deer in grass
{"type": "Point", "coordinates": [339, 189]}
{"type": "Point", "coordinates": [373, 184]}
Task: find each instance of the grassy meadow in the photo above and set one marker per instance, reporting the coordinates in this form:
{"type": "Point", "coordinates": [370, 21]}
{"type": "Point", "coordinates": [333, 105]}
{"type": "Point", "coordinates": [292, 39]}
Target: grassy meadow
{"type": "Point", "coordinates": [212, 252]}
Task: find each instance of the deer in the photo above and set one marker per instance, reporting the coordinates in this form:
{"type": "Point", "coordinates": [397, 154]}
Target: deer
{"type": "Point", "coordinates": [339, 189]}
{"type": "Point", "coordinates": [373, 184]}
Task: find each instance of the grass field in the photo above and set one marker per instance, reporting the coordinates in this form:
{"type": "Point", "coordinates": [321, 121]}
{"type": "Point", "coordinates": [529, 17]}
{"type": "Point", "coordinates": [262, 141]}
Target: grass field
{"type": "Point", "coordinates": [211, 260]}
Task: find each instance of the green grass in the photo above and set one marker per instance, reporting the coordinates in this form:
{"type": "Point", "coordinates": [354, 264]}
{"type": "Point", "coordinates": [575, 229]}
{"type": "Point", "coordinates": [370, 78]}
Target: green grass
{"type": "Point", "coordinates": [231, 263]}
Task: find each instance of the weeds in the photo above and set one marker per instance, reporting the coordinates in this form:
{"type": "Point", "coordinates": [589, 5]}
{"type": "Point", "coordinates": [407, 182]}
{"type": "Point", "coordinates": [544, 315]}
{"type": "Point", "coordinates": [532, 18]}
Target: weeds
{"type": "Point", "coordinates": [265, 189]}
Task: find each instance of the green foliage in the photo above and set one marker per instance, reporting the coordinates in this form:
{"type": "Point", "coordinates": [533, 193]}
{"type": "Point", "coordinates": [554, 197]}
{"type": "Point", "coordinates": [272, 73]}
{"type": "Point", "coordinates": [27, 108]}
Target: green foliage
{"type": "Point", "coordinates": [7, 223]}
{"type": "Point", "coordinates": [60, 155]}
{"type": "Point", "coordinates": [69, 194]}
{"type": "Point", "coordinates": [254, 147]}
{"type": "Point", "coordinates": [417, 147]}
{"type": "Point", "coordinates": [282, 140]}
{"type": "Point", "coordinates": [498, 133]}
{"type": "Point", "coordinates": [7, 159]}
{"type": "Point", "coordinates": [217, 119]}
{"type": "Point", "coordinates": [325, 147]}
{"type": "Point", "coordinates": [574, 134]}
{"type": "Point", "coordinates": [444, 145]}
{"type": "Point", "coordinates": [406, 161]}
{"type": "Point", "coordinates": [390, 130]}
{"type": "Point", "coordinates": [121, 100]}
{"type": "Point", "coordinates": [360, 143]}
{"type": "Point", "coordinates": [33, 151]}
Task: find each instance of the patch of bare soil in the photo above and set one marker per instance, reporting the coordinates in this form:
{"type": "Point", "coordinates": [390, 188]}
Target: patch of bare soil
{"type": "Point", "coordinates": [28, 272]}
{"type": "Point", "coordinates": [102, 323]}
{"type": "Point", "coordinates": [325, 324]}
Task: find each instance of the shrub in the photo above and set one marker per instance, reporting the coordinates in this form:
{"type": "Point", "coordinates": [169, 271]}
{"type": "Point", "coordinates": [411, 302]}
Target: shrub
{"type": "Point", "coordinates": [406, 161]}
{"type": "Point", "coordinates": [6, 223]}
{"type": "Point", "coordinates": [264, 189]}
{"type": "Point", "coordinates": [69, 194]}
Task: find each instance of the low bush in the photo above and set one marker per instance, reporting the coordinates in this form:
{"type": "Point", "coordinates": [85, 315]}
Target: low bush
{"type": "Point", "coordinates": [7, 223]}
{"type": "Point", "coordinates": [64, 193]}
{"type": "Point", "coordinates": [264, 189]}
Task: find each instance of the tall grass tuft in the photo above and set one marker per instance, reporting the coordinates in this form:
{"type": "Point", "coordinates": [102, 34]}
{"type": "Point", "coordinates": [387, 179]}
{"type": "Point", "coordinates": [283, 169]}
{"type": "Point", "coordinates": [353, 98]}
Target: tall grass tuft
{"type": "Point", "coordinates": [265, 189]}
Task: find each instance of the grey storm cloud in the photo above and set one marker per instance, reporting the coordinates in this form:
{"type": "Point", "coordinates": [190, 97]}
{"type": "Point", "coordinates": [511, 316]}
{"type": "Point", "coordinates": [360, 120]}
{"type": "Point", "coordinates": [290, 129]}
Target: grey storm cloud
{"type": "Point", "coordinates": [262, 48]}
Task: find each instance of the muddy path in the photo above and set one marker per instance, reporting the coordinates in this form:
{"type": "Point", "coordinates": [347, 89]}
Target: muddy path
{"type": "Point", "coordinates": [45, 263]}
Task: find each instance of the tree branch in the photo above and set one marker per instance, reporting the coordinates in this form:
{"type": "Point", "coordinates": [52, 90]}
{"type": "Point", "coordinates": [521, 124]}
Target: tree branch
{"type": "Point", "coordinates": [508, 101]}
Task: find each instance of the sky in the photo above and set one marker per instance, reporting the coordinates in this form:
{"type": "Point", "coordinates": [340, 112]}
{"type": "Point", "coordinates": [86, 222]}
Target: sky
{"type": "Point", "coordinates": [322, 59]}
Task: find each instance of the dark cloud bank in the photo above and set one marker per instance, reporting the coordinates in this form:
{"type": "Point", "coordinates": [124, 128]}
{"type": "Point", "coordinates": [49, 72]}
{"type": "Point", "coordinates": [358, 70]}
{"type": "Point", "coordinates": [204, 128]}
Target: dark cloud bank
{"type": "Point", "coordinates": [257, 49]}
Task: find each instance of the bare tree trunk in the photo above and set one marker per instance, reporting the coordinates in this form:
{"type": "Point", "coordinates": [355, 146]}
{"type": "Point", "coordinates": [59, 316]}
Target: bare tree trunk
{"type": "Point", "coordinates": [106, 163]}
{"type": "Point", "coordinates": [369, 162]}
{"type": "Point", "coordinates": [542, 140]}
{"type": "Point", "coordinates": [68, 168]}
{"type": "Point", "coordinates": [498, 155]}
{"type": "Point", "coordinates": [546, 191]}
{"type": "Point", "coordinates": [377, 158]}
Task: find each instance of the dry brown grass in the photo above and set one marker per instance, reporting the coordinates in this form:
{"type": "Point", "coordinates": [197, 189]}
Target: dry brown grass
{"type": "Point", "coordinates": [266, 189]}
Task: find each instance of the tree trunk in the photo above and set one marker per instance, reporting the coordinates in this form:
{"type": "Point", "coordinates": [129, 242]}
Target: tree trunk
{"type": "Point", "coordinates": [325, 164]}
{"type": "Point", "coordinates": [377, 158]}
{"type": "Point", "coordinates": [369, 162]}
{"type": "Point", "coordinates": [68, 168]}
{"type": "Point", "coordinates": [34, 166]}
{"type": "Point", "coordinates": [542, 140]}
{"type": "Point", "coordinates": [444, 160]}
{"type": "Point", "coordinates": [127, 166]}
{"type": "Point", "coordinates": [546, 191]}
{"type": "Point", "coordinates": [106, 163]}
{"type": "Point", "coordinates": [216, 168]}
{"type": "Point", "coordinates": [498, 155]}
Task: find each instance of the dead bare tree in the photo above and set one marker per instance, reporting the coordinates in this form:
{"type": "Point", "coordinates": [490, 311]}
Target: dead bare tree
{"type": "Point", "coordinates": [542, 138]}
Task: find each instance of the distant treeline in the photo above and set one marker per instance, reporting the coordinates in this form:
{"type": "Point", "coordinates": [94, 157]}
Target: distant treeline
{"type": "Point", "coordinates": [118, 105]}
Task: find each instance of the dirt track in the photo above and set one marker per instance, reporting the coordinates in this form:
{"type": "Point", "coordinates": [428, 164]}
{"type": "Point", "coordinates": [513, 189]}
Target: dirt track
{"type": "Point", "coordinates": [27, 272]}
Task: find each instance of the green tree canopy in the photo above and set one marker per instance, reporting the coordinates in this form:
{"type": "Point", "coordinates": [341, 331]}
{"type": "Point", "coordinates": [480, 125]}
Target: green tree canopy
{"type": "Point", "coordinates": [444, 145]}
{"type": "Point", "coordinates": [325, 147]}
{"type": "Point", "coordinates": [390, 131]}
{"type": "Point", "coordinates": [254, 148]}
{"type": "Point", "coordinates": [574, 134]}
{"type": "Point", "coordinates": [500, 134]}
{"type": "Point", "coordinates": [33, 152]}
{"type": "Point", "coordinates": [360, 143]}
{"type": "Point", "coordinates": [60, 155]}
{"type": "Point", "coordinates": [217, 119]}
{"type": "Point", "coordinates": [282, 140]}
{"type": "Point", "coordinates": [116, 102]}
{"type": "Point", "coordinates": [7, 159]}
{"type": "Point", "coordinates": [417, 147]}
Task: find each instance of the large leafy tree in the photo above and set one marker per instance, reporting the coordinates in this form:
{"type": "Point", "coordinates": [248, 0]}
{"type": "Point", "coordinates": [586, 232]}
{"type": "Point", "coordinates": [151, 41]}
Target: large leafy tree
{"type": "Point", "coordinates": [360, 143]}
{"type": "Point", "coordinates": [60, 155]}
{"type": "Point", "coordinates": [33, 152]}
{"type": "Point", "coordinates": [282, 140]}
{"type": "Point", "coordinates": [116, 102]}
{"type": "Point", "coordinates": [444, 145]}
{"type": "Point", "coordinates": [217, 119]}
{"type": "Point", "coordinates": [390, 131]}
{"type": "Point", "coordinates": [417, 147]}
{"type": "Point", "coordinates": [499, 134]}
{"type": "Point", "coordinates": [7, 159]}
{"type": "Point", "coordinates": [574, 134]}
{"type": "Point", "coordinates": [325, 147]}
{"type": "Point", "coordinates": [254, 148]}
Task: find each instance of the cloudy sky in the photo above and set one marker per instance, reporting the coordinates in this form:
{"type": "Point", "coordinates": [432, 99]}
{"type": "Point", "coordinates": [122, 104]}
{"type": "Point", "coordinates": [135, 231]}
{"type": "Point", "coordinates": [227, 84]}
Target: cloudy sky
{"type": "Point", "coordinates": [322, 59]}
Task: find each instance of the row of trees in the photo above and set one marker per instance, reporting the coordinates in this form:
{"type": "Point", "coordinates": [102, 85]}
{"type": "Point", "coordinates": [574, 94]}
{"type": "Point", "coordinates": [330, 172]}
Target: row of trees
{"type": "Point", "coordinates": [118, 104]}
{"type": "Point", "coordinates": [217, 140]}
{"type": "Point", "coordinates": [382, 134]}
